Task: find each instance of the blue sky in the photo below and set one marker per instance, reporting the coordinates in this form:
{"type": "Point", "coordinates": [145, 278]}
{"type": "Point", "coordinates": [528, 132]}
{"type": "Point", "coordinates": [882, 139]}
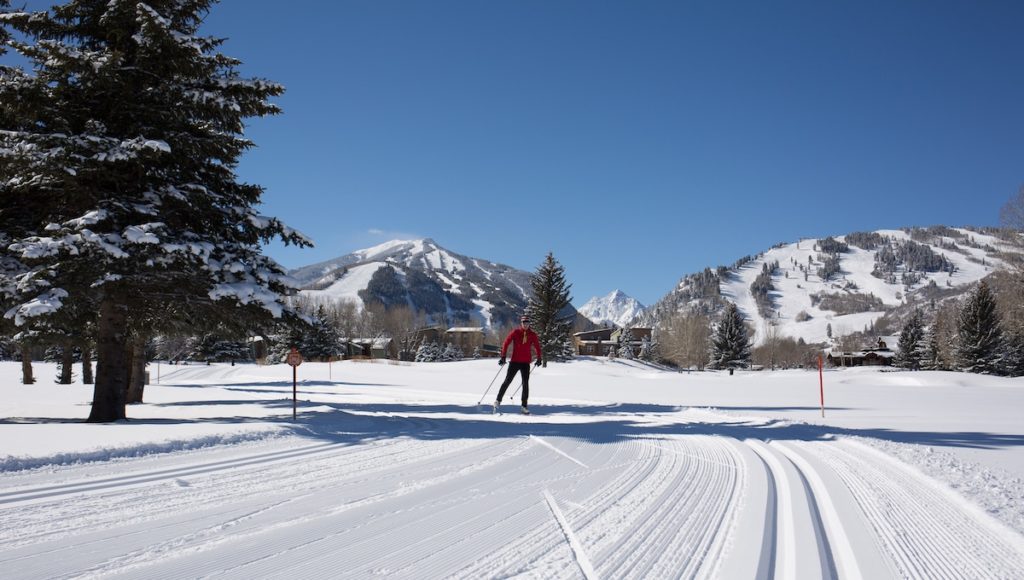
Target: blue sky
{"type": "Point", "coordinates": [637, 141]}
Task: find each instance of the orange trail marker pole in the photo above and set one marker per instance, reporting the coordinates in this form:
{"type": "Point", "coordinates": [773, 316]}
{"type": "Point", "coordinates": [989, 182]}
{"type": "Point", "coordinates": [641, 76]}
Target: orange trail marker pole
{"type": "Point", "coordinates": [821, 385]}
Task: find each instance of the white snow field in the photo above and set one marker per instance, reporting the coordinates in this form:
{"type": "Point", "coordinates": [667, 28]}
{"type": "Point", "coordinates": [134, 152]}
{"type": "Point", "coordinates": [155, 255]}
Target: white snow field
{"type": "Point", "coordinates": [623, 471]}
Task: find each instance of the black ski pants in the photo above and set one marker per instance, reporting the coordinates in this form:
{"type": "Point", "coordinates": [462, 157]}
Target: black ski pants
{"type": "Point", "coordinates": [514, 367]}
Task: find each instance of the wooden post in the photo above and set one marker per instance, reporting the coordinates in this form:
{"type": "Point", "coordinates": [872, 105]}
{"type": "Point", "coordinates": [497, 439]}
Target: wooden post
{"type": "Point", "coordinates": [294, 359]}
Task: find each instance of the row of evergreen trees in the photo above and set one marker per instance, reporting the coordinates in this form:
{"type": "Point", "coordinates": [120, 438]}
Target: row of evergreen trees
{"type": "Point", "coordinates": [981, 343]}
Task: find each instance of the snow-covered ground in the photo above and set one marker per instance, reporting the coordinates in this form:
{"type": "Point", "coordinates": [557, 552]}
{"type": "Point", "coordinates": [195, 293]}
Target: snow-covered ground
{"type": "Point", "coordinates": [623, 471]}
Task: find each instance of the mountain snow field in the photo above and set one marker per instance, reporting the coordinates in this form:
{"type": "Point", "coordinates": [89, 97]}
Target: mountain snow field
{"type": "Point", "coordinates": [616, 308]}
{"type": "Point", "coordinates": [624, 470]}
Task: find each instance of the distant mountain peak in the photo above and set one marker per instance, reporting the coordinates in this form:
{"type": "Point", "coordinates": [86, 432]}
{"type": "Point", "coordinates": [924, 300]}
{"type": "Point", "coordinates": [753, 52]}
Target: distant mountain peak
{"type": "Point", "coordinates": [450, 288]}
{"type": "Point", "coordinates": [616, 308]}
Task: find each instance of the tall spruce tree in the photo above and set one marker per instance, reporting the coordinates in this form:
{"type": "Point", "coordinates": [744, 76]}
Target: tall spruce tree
{"type": "Point", "coordinates": [730, 344]}
{"type": "Point", "coordinates": [122, 191]}
{"type": "Point", "coordinates": [549, 310]}
{"type": "Point", "coordinates": [979, 343]}
{"type": "Point", "coordinates": [912, 346]}
{"type": "Point", "coordinates": [322, 341]}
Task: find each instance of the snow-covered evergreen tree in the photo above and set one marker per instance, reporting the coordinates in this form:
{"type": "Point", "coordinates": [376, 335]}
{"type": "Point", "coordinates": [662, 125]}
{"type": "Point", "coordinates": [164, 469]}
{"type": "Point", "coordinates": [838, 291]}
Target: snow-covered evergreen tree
{"type": "Point", "coordinates": [321, 340]}
{"type": "Point", "coordinates": [548, 310]}
{"type": "Point", "coordinates": [213, 348]}
{"type": "Point", "coordinates": [288, 334]}
{"type": "Point", "coordinates": [428, 352]}
{"type": "Point", "coordinates": [648, 349]}
{"type": "Point", "coordinates": [1013, 360]}
{"type": "Point", "coordinates": [451, 353]}
{"type": "Point", "coordinates": [625, 346]}
{"type": "Point", "coordinates": [730, 345]}
{"type": "Point", "coordinates": [125, 178]}
{"type": "Point", "coordinates": [979, 345]}
{"type": "Point", "coordinates": [912, 346]}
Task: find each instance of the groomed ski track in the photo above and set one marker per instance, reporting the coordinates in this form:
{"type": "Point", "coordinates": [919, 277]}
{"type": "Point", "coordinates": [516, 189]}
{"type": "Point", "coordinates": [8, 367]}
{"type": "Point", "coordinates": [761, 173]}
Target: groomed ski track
{"type": "Point", "coordinates": [408, 493]}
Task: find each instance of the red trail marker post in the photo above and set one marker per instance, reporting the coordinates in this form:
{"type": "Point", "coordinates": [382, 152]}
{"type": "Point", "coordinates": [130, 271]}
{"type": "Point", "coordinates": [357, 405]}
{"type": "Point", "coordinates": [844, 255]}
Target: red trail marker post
{"type": "Point", "coordinates": [821, 385]}
{"type": "Point", "coordinates": [294, 359]}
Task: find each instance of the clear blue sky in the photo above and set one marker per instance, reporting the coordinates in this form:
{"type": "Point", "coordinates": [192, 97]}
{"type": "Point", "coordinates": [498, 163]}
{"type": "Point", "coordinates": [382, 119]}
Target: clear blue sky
{"type": "Point", "coordinates": [637, 141]}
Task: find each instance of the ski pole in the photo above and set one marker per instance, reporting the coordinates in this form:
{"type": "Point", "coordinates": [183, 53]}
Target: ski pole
{"type": "Point", "coordinates": [489, 385]}
{"type": "Point", "coordinates": [513, 395]}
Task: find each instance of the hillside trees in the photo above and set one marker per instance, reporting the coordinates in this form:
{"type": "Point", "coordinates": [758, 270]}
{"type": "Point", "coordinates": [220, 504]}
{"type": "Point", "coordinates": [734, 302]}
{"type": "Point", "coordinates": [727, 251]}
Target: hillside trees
{"type": "Point", "coordinates": [548, 307]}
{"type": "Point", "coordinates": [122, 191]}
{"type": "Point", "coordinates": [762, 287]}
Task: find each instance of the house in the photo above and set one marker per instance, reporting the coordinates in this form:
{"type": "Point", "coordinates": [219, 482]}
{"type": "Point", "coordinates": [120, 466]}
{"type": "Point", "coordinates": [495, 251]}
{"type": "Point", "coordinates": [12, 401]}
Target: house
{"type": "Point", "coordinates": [639, 335]}
{"type": "Point", "coordinates": [881, 355]}
{"type": "Point", "coordinates": [371, 348]}
{"type": "Point", "coordinates": [430, 334]}
{"type": "Point", "coordinates": [605, 340]}
{"type": "Point", "coordinates": [594, 342]}
{"type": "Point", "coordinates": [467, 338]}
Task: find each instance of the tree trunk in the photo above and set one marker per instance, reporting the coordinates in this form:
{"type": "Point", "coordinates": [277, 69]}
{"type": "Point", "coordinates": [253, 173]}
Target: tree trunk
{"type": "Point", "coordinates": [137, 384]}
{"type": "Point", "coordinates": [26, 365]}
{"type": "Point", "coordinates": [67, 363]}
{"type": "Point", "coordinates": [108, 401]}
{"type": "Point", "coordinates": [86, 364]}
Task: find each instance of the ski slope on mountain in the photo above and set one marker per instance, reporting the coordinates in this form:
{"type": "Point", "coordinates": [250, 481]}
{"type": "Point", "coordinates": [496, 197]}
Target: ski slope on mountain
{"type": "Point", "coordinates": [795, 314]}
{"type": "Point", "coordinates": [624, 471]}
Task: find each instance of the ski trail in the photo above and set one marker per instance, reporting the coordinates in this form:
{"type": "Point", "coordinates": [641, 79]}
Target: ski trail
{"type": "Point", "coordinates": [269, 501]}
{"type": "Point", "coordinates": [672, 516]}
{"type": "Point", "coordinates": [649, 511]}
{"type": "Point", "coordinates": [558, 451]}
{"type": "Point", "coordinates": [754, 529]}
{"type": "Point", "coordinates": [842, 549]}
{"type": "Point", "coordinates": [926, 529]}
{"type": "Point", "coordinates": [798, 522]}
{"type": "Point", "coordinates": [581, 556]}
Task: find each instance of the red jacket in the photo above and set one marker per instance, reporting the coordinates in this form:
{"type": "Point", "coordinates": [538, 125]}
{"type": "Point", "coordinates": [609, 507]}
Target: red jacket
{"type": "Point", "coordinates": [521, 340]}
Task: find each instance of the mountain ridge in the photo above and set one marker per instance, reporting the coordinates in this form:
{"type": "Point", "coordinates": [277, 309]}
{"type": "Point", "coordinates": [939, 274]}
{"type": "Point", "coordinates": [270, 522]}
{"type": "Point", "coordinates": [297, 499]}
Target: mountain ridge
{"type": "Point", "coordinates": [837, 285]}
{"type": "Point", "coordinates": [447, 286]}
{"type": "Point", "coordinates": [809, 289]}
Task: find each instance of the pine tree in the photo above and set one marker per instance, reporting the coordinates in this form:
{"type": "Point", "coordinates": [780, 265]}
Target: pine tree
{"type": "Point", "coordinates": [648, 349]}
{"type": "Point", "coordinates": [979, 346]}
{"type": "Point", "coordinates": [322, 340]}
{"type": "Point", "coordinates": [549, 310]}
{"type": "Point", "coordinates": [626, 344]}
{"type": "Point", "coordinates": [730, 345]}
{"type": "Point", "coordinates": [125, 183]}
{"type": "Point", "coordinates": [428, 352]}
{"type": "Point", "coordinates": [912, 344]}
{"type": "Point", "coordinates": [287, 335]}
{"type": "Point", "coordinates": [211, 347]}
{"type": "Point", "coordinates": [451, 353]}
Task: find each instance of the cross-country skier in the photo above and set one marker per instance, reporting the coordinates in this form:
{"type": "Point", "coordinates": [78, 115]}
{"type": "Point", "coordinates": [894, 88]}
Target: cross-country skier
{"type": "Point", "coordinates": [521, 339]}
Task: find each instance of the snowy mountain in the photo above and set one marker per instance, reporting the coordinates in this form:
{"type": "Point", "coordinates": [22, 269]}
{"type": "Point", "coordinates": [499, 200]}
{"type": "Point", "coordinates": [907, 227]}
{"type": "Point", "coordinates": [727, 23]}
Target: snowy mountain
{"type": "Point", "coordinates": [424, 276]}
{"type": "Point", "coordinates": [845, 284]}
{"type": "Point", "coordinates": [616, 308]}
